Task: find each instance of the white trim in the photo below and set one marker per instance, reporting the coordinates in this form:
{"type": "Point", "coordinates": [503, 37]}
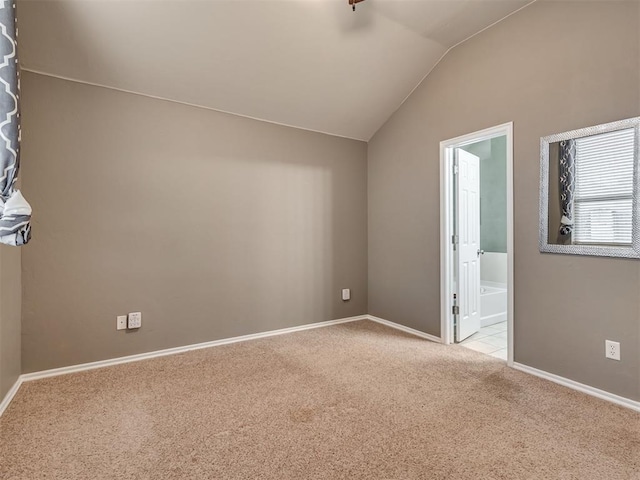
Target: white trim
{"type": "Point", "coordinates": [581, 387]}
{"type": "Point", "coordinates": [446, 257]}
{"type": "Point", "coordinates": [171, 100]}
{"type": "Point", "coordinates": [397, 326]}
{"type": "Point", "coordinates": [187, 348]}
{"type": "Point", "coordinates": [27, 377]}
{"type": "Point", "coordinates": [446, 265]}
{"type": "Point", "coordinates": [510, 248]}
{"type": "Point", "coordinates": [10, 394]}
{"type": "Point", "coordinates": [625, 402]}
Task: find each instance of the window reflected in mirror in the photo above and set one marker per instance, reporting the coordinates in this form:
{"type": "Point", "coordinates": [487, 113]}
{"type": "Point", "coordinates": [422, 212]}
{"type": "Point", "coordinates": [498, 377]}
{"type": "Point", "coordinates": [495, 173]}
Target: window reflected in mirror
{"type": "Point", "coordinates": [589, 190]}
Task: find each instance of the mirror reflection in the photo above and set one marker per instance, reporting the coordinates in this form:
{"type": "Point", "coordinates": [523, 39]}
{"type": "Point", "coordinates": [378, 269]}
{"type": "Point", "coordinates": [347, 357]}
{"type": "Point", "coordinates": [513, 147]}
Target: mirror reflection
{"type": "Point", "coordinates": [589, 189]}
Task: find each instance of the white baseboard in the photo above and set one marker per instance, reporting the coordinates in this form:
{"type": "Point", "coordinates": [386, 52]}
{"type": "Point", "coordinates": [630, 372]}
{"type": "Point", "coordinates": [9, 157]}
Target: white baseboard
{"type": "Point", "coordinates": [187, 348]}
{"type": "Point", "coordinates": [594, 392]}
{"type": "Point", "coordinates": [397, 326]}
{"type": "Point", "coordinates": [161, 353]}
{"type": "Point", "coordinates": [625, 402]}
{"type": "Point", "coordinates": [225, 341]}
{"type": "Point", "coordinates": [10, 394]}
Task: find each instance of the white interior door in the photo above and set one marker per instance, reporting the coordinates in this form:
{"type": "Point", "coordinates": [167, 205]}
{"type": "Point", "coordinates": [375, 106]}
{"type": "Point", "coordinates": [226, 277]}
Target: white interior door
{"type": "Point", "coordinates": [468, 251]}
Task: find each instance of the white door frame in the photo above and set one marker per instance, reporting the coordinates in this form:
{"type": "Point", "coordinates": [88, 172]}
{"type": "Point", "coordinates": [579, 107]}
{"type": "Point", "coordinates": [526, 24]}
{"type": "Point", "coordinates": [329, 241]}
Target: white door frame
{"type": "Point", "coordinates": [446, 229]}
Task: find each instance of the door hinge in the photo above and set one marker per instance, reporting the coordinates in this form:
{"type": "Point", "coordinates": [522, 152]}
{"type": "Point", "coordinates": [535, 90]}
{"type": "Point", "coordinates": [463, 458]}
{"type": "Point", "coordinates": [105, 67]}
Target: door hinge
{"type": "Point", "coordinates": [455, 310]}
{"type": "Point", "coordinates": [454, 241]}
{"type": "Point", "coordinates": [455, 169]}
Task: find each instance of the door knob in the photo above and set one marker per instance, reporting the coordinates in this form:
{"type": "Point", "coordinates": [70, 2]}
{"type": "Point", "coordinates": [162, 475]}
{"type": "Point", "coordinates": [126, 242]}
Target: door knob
{"type": "Point", "coordinates": [480, 252]}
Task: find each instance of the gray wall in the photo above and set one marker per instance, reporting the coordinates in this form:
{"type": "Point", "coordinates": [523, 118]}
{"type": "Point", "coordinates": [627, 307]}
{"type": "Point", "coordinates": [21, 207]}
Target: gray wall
{"type": "Point", "coordinates": [552, 67]}
{"type": "Point", "coordinates": [212, 225]}
{"type": "Point", "coordinates": [10, 311]}
{"type": "Point", "coordinates": [493, 192]}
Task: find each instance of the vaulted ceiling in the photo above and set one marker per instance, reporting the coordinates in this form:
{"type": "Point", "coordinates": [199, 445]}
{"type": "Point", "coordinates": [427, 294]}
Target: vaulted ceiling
{"type": "Point", "coordinates": [312, 64]}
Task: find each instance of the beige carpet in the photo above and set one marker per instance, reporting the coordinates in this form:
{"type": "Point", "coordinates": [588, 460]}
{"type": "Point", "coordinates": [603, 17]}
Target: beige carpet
{"type": "Point", "coordinates": [352, 401]}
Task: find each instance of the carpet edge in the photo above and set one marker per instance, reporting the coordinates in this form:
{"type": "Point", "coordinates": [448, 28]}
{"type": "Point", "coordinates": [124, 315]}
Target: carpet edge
{"type": "Point", "coordinates": [580, 387]}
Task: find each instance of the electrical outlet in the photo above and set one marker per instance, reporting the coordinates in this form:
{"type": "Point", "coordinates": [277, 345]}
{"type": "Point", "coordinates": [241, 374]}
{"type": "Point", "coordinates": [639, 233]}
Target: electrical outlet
{"type": "Point", "coordinates": [612, 350]}
{"type": "Point", "coordinates": [134, 320]}
{"type": "Point", "coordinates": [346, 294]}
{"type": "Point", "coordinates": [121, 322]}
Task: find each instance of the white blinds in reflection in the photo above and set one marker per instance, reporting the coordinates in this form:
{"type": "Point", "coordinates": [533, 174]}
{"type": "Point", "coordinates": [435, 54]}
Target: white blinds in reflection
{"type": "Point", "coordinates": [603, 198]}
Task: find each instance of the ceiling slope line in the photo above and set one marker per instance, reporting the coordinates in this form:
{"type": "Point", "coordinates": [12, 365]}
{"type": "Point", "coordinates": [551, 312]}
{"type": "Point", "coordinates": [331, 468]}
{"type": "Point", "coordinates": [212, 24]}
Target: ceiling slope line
{"type": "Point", "coordinates": [440, 59]}
{"type": "Point", "coordinates": [180, 102]}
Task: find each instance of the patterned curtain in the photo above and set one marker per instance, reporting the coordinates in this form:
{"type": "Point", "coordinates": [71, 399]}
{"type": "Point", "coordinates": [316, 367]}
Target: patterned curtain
{"type": "Point", "coordinates": [567, 186]}
{"type": "Point", "coordinates": [15, 211]}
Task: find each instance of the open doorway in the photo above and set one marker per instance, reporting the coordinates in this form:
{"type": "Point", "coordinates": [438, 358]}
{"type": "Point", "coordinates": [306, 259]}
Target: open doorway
{"type": "Point", "coordinates": [477, 241]}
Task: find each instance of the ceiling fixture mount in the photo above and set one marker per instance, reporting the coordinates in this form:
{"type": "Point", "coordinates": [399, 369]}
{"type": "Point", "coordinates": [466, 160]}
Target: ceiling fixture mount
{"type": "Point", "coordinates": [353, 3]}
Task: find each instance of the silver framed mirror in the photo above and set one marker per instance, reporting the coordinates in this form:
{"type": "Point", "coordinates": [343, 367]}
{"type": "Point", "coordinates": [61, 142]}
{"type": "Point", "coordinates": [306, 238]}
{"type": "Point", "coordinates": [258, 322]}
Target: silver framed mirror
{"type": "Point", "coordinates": [590, 191]}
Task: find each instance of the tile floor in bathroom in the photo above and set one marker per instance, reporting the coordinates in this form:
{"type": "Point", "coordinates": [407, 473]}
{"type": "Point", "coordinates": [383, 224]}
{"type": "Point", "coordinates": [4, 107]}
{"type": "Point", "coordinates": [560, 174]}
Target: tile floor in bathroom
{"type": "Point", "coordinates": [491, 340]}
